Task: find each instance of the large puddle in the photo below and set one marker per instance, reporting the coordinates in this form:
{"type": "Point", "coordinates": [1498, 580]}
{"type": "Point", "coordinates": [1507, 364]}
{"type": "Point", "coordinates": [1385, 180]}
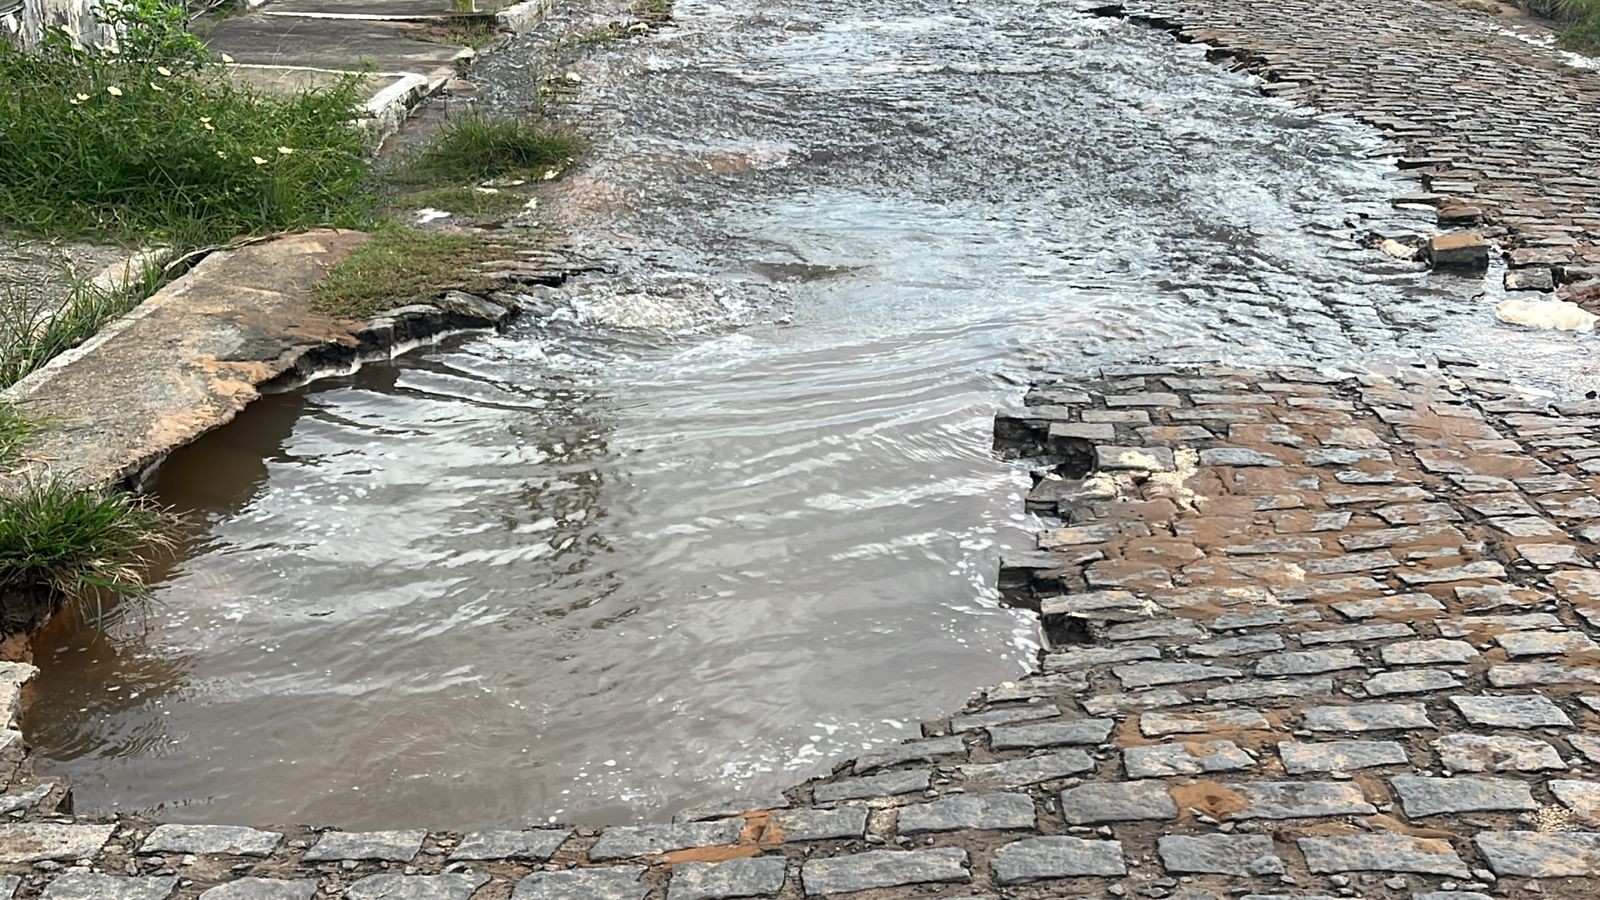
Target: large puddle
{"type": "Point", "coordinates": [732, 515]}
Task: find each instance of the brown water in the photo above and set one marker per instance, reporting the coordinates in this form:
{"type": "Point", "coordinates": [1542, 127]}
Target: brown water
{"type": "Point", "coordinates": [728, 514]}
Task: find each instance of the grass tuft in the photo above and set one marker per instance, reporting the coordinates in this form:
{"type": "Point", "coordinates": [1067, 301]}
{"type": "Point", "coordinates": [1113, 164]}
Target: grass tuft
{"type": "Point", "coordinates": [62, 545]}
{"type": "Point", "coordinates": [474, 147]}
{"type": "Point", "coordinates": [32, 333]}
{"type": "Point", "coordinates": [401, 266]}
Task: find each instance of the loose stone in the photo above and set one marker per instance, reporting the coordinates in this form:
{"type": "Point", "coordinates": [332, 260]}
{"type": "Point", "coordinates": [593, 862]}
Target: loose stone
{"type": "Point", "coordinates": [263, 889]}
{"type": "Point", "coordinates": [754, 877]}
{"type": "Point", "coordinates": [416, 887]}
{"type": "Point", "coordinates": [1128, 801]}
{"type": "Point", "coordinates": [1222, 854]}
{"type": "Point", "coordinates": [1187, 758]}
{"type": "Point", "coordinates": [393, 846]}
{"type": "Point", "coordinates": [975, 721]}
{"type": "Point", "coordinates": [609, 883]}
{"type": "Point", "coordinates": [978, 812]}
{"type": "Point", "coordinates": [1531, 854]}
{"type": "Point", "coordinates": [230, 839]}
{"type": "Point", "coordinates": [821, 824]}
{"type": "Point", "coordinates": [624, 842]}
{"type": "Point", "coordinates": [1496, 753]}
{"type": "Point", "coordinates": [74, 886]}
{"type": "Point", "coordinates": [1582, 797]}
{"type": "Point", "coordinates": [536, 844]}
{"type": "Point", "coordinates": [1339, 756]}
{"type": "Point", "coordinates": [1430, 796]}
{"type": "Point", "coordinates": [885, 785]}
{"type": "Point", "coordinates": [34, 841]}
{"type": "Point", "coordinates": [1032, 859]}
{"type": "Point", "coordinates": [882, 869]}
{"type": "Point", "coordinates": [1050, 734]}
{"type": "Point", "coordinates": [1382, 853]}
{"type": "Point", "coordinates": [910, 751]}
{"type": "Point", "coordinates": [1512, 711]}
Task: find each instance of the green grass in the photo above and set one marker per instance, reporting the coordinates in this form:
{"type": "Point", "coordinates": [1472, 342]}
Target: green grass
{"type": "Point", "coordinates": [157, 142]}
{"type": "Point", "coordinates": [32, 333]}
{"type": "Point", "coordinates": [60, 545]}
{"type": "Point", "coordinates": [1583, 33]}
{"type": "Point", "coordinates": [15, 429]}
{"type": "Point", "coordinates": [400, 266]}
{"type": "Point", "coordinates": [655, 12]}
{"type": "Point", "coordinates": [475, 147]}
{"type": "Point", "coordinates": [470, 203]}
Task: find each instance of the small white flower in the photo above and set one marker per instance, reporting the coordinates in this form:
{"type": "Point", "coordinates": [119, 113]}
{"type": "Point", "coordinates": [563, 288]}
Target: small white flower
{"type": "Point", "coordinates": [227, 59]}
{"type": "Point", "coordinates": [113, 90]}
{"type": "Point", "coordinates": [285, 150]}
{"type": "Point", "coordinates": [258, 160]}
{"type": "Point", "coordinates": [221, 155]}
{"type": "Point", "coordinates": [157, 88]}
{"type": "Point", "coordinates": [165, 72]}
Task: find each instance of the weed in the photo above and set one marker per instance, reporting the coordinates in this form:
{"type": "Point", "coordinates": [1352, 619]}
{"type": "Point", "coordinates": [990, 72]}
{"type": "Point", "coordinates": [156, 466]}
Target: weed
{"type": "Point", "coordinates": [400, 266]}
{"type": "Point", "coordinates": [33, 333]}
{"type": "Point", "coordinates": [155, 139]}
{"type": "Point", "coordinates": [59, 544]}
{"type": "Point", "coordinates": [15, 429]}
{"type": "Point", "coordinates": [469, 33]}
{"type": "Point", "coordinates": [654, 12]}
{"type": "Point", "coordinates": [475, 204]}
{"type": "Point", "coordinates": [474, 147]}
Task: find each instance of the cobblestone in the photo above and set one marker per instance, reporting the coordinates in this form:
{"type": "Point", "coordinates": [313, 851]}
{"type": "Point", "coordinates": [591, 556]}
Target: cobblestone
{"type": "Point", "coordinates": [1225, 854]}
{"type": "Point", "coordinates": [251, 888]}
{"type": "Point", "coordinates": [883, 869]}
{"type": "Point", "coordinates": [613, 883]}
{"type": "Point", "coordinates": [988, 812]}
{"type": "Point", "coordinates": [416, 887]}
{"type": "Point", "coordinates": [1034, 859]}
{"type": "Point", "coordinates": [753, 877]}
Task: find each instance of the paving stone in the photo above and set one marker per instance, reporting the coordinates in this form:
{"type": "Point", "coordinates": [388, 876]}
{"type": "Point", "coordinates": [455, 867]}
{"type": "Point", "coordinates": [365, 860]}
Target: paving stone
{"type": "Point", "coordinates": [1382, 853]}
{"type": "Point", "coordinates": [886, 785]}
{"type": "Point", "coordinates": [1511, 711]}
{"type": "Point", "coordinates": [883, 869]}
{"type": "Point", "coordinates": [393, 846]}
{"type": "Point", "coordinates": [234, 840]}
{"type": "Point", "coordinates": [1238, 457]}
{"type": "Point", "coordinates": [1301, 758]}
{"type": "Point", "coordinates": [1540, 674]}
{"type": "Point", "coordinates": [1428, 652]}
{"type": "Point", "coordinates": [604, 883]}
{"type": "Point", "coordinates": [1588, 746]}
{"type": "Point", "coordinates": [1089, 657]}
{"type": "Point", "coordinates": [1222, 854]}
{"type": "Point", "coordinates": [1143, 631]}
{"type": "Point", "coordinates": [627, 841]}
{"type": "Point", "coordinates": [756, 876]}
{"type": "Point", "coordinates": [1482, 569]}
{"type": "Point", "coordinates": [36, 841]}
{"type": "Point", "coordinates": [1050, 734]}
{"type": "Point", "coordinates": [1238, 646]}
{"type": "Point", "coordinates": [1521, 644]}
{"type": "Point", "coordinates": [1105, 704]}
{"type": "Point", "coordinates": [1531, 854]}
{"type": "Point", "coordinates": [1367, 717]}
{"type": "Point", "coordinates": [261, 889]}
{"type": "Point", "coordinates": [1582, 797]}
{"type": "Point", "coordinates": [1184, 758]}
{"type": "Point", "coordinates": [536, 844]}
{"type": "Point", "coordinates": [1037, 858]}
{"type": "Point", "coordinates": [1264, 690]}
{"type": "Point", "coordinates": [1350, 562]}
{"type": "Point", "coordinates": [75, 886]}
{"type": "Point", "coordinates": [1277, 546]}
{"type": "Point", "coordinates": [1160, 724]}
{"type": "Point", "coordinates": [1255, 618]}
{"type": "Point", "coordinates": [1122, 459]}
{"type": "Point", "coordinates": [1156, 674]}
{"type": "Point", "coordinates": [909, 751]}
{"type": "Point", "coordinates": [1409, 681]}
{"type": "Point", "coordinates": [1450, 895]}
{"type": "Point", "coordinates": [1421, 796]}
{"type": "Point", "coordinates": [1496, 753]}
{"type": "Point", "coordinates": [416, 887]}
{"type": "Point", "coordinates": [1300, 799]}
{"type": "Point", "coordinates": [1309, 662]}
{"type": "Point", "coordinates": [846, 822]}
{"type": "Point", "coordinates": [977, 812]}
{"type": "Point", "coordinates": [975, 721]}
{"type": "Point", "coordinates": [1472, 626]}
{"type": "Point", "coordinates": [1034, 769]}
{"type": "Point", "coordinates": [1354, 633]}
{"type": "Point", "coordinates": [1399, 604]}
{"type": "Point", "coordinates": [1404, 536]}
{"type": "Point", "coordinates": [1123, 801]}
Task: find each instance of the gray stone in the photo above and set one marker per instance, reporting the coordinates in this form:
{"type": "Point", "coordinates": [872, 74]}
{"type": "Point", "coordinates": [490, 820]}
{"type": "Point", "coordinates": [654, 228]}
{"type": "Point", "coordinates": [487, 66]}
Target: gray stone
{"type": "Point", "coordinates": [1511, 711]}
{"type": "Point", "coordinates": [1145, 459]}
{"type": "Point", "coordinates": [11, 802]}
{"type": "Point", "coordinates": [1352, 633]}
{"type": "Point", "coordinates": [1160, 724]}
{"type": "Point", "coordinates": [1410, 681]}
{"type": "Point", "coordinates": [1006, 716]}
{"type": "Point", "coordinates": [35, 841]}
{"type": "Point", "coordinates": [1156, 674]}
{"type": "Point", "coordinates": [1346, 456]}
{"type": "Point", "coordinates": [976, 812]}
{"type": "Point", "coordinates": [1582, 797]}
{"type": "Point", "coordinates": [1144, 631]}
{"type": "Point", "coordinates": [608, 883]}
{"type": "Point", "coordinates": [1487, 569]}
{"type": "Point", "coordinates": [846, 822]}
{"type": "Point", "coordinates": [883, 869]}
{"type": "Point", "coordinates": [1535, 674]}
{"type": "Point", "coordinates": [1428, 652]}
{"type": "Point", "coordinates": [1118, 401]}
{"type": "Point", "coordinates": [1531, 854]}
{"type": "Point", "coordinates": [1277, 546]}
{"type": "Point", "coordinates": [1367, 717]}
{"type": "Point", "coordinates": [1309, 662]}
{"type": "Point", "coordinates": [416, 887]}
{"type": "Point", "coordinates": [537, 844]}
{"type": "Point", "coordinates": [234, 840]}
{"type": "Point", "coordinates": [1475, 625]}
{"type": "Point", "coordinates": [1496, 753]}
{"type": "Point", "coordinates": [910, 751]}
{"type": "Point", "coordinates": [1238, 646]}
{"type": "Point", "coordinates": [1431, 796]}
{"type": "Point", "coordinates": [1186, 758]}
{"type": "Point", "coordinates": [1036, 858]}
{"type": "Point", "coordinates": [1117, 801]}
{"type": "Point", "coordinates": [1104, 704]}
{"type": "Point", "coordinates": [1087, 657]}
{"type": "Point", "coordinates": [1347, 563]}
{"type": "Point", "coordinates": [886, 785]}
{"type": "Point", "coordinates": [1382, 853]}
{"type": "Point", "coordinates": [1262, 690]}
{"type": "Point", "coordinates": [1339, 756]}
{"type": "Point", "coordinates": [1221, 854]}
{"type": "Point", "coordinates": [1050, 734]}
{"type": "Point", "coordinates": [74, 886]}
{"type": "Point", "coordinates": [627, 841]}
{"type": "Point", "coordinates": [1034, 769]}
{"type": "Point", "coordinates": [1238, 456]}
{"type": "Point", "coordinates": [1301, 799]}
{"type": "Point", "coordinates": [1399, 604]}
{"type": "Point", "coordinates": [393, 846]}
{"type": "Point", "coordinates": [1520, 644]}
{"type": "Point", "coordinates": [263, 889]}
{"type": "Point", "coordinates": [757, 876]}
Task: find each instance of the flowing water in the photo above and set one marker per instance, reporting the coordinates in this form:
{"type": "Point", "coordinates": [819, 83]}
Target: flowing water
{"type": "Point", "coordinates": [729, 514]}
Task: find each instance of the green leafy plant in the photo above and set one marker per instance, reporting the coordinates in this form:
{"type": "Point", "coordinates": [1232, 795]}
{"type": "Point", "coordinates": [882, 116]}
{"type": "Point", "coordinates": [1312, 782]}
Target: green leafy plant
{"type": "Point", "coordinates": [61, 545]}
{"type": "Point", "coordinates": [152, 138]}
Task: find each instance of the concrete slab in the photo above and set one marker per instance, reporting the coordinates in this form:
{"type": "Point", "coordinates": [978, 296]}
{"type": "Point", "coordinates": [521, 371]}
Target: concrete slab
{"type": "Point", "coordinates": [383, 10]}
{"type": "Point", "coordinates": [335, 45]}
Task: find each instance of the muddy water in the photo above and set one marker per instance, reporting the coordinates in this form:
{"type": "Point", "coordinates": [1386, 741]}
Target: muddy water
{"type": "Point", "coordinates": [729, 514]}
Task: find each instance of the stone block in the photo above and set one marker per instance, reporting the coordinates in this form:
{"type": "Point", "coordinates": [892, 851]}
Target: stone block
{"type": "Point", "coordinates": [1038, 858]}
{"type": "Point", "coordinates": [973, 812]}
{"type": "Point", "coordinates": [1511, 711]}
{"type": "Point", "coordinates": [757, 876]}
{"type": "Point", "coordinates": [38, 841]}
{"type": "Point", "coordinates": [1220, 854]}
{"type": "Point", "coordinates": [846, 822]}
{"type": "Point", "coordinates": [1420, 796]}
{"type": "Point", "coordinates": [76, 886]}
{"type": "Point", "coordinates": [1050, 734]}
{"type": "Point", "coordinates": [1382, 853]}
{"type": "Point", "coordinates": [234, 840]}
{"type": "Point", "coordinates": [1465, 250]}
{"type": "Point", "coordinates": [487, 845]}
{"type": "Point", "coordinates": [886, 785]}
{"type": "Point", "coordinates": [263, 889]}
{"type": "Point", "coordinates": [1117, 801]}
{"type": "Point", "coordinates": [1185, 758]}
{"type": "Point", "coordinates": [878, 869]}
{"type": "Point", "coordinates": [1022, 772]}
{"type": "Point", "coordinates": [416, 887]}
{"type": "Point", "coordinates": [390, 846]}
{"type": "Point", "coordinates": [628, 841]}
{"type": "Point", "coordinates": [1532, 854]}
{"type": "Point", "coordinates": [607, 883]}
{"type": "Point", "coordinates": [1300, 758]}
